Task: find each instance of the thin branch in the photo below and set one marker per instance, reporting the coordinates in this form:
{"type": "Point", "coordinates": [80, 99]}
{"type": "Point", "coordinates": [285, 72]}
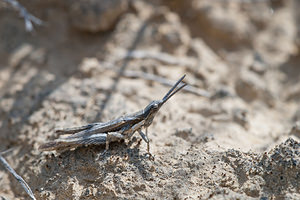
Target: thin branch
{"type": "Point", "coordinates": [6, 151]}
{"type": "Point", "coordinates": [164, 81]}
{"type": "Point", "coordinates": [162, 57]}
{"type": "Point", "coordinates": [18, 177]}
{"type": "Point", "coordinates": [28, 18]}
{"type": "Point", "coordinates": [159, 79]}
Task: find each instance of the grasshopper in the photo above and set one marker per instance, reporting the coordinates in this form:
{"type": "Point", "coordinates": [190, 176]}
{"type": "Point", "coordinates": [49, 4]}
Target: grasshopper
{"type": "Point", "coordinates": [115, 130]}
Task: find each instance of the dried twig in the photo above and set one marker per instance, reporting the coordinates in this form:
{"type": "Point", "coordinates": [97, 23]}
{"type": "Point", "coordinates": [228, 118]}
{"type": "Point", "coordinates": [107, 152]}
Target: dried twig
{"type": "Point", "coordinates": [162, 57]}
{"type": "Point", "coordinates": [18, 177]}
{"type": "Point", "coordinates": [159, 79]}
{"type": "Point", "coordinates": [6, 151]}
{"type": "Point", "coordinates": [28, 18]}
{"type": "Point", "coordinates": [164, 81]}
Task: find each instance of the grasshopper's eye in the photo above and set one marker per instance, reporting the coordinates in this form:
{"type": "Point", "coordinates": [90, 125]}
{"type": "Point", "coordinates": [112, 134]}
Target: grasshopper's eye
{"type": "Point", "coordinates": [155, 105]}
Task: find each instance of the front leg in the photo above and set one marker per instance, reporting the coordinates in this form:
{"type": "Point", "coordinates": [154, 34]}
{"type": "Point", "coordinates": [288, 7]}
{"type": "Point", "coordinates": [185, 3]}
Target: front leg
{"type": "Point", "coordinates": [138, 127]}
{"type": "Point", "coordinates": [130, 131]}
{"type": "Point", "coordinates": [146, 139]}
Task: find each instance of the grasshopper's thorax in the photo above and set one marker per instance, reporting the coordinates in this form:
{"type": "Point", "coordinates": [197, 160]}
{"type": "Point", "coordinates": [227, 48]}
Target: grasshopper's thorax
{"type": "Point", "coordinates": [149, 120]}
{"type": "Point", "coordinates": [150, 111]}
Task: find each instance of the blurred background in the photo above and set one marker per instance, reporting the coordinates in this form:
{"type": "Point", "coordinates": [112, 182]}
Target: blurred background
{"type": "Point", "coordinates": [69, 63]}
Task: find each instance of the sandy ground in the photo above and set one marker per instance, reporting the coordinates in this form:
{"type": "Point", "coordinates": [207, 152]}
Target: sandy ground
{"type": "Point", "coordinates": [235, 136]}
